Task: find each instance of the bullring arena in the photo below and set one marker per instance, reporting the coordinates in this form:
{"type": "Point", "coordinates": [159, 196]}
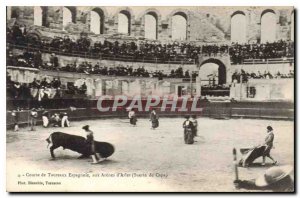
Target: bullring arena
{"type": "Point", "coordinates": [204, 166]}
{"type": "Point", "coordinates": [236, 63]}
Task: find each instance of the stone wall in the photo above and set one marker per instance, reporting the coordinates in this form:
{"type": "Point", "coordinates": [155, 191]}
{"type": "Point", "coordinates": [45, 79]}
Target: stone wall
{"type": "Point", "coordinates": [204, 24]}
{"type": "Point", "coordinates": [265, 90]}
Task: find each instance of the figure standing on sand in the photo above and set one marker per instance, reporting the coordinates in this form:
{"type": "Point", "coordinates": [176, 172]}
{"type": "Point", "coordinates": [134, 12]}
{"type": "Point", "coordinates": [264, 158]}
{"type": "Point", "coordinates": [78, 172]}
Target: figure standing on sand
{"type": "Point", "coordinates": [90, 143]}
{"type": "Point", "coordinates": [188, 131]}
{"type": "Point", "coordinates": [154, 119]}
{"type": "Point", "coordinates": [33, 117]}
{"type": "Point", "coordinates": [269, 145]}
{"type": "Point", "coordinates": [195, 125]}
{"type": "Point", "coordinates": [132, 117]}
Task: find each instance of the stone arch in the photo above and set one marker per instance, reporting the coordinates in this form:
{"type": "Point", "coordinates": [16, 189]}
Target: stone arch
{"type": "Point", "coordinates": [103, 9]}
{"type": "Point", "coordinates": [266, 11]}
{"type": "Point", "coordinates": [268, 27]}
{"type": "Point", "coordinates": [222, 79]}
{"type": "Point", "coordinates": [126, 11]}
{"type": "Point", "coordinates": [154, 12]}
{"type": "Point", "coordinates": [237, 12]}
{"type": "Point", "coordinates": [150, 20]}
{"type": "Point", "coordinates": [41, 16]}
{"type": "Point", "coordinates": [73, 11]}
{"type": "Point", "coordinates": [69, 15]}
{"type": "Point", "coordinates": [238, 27]}
{"type": "Point", "coordinates": [179, 25]}
{"type": "Point", "coordinates": [97, 20]}
{"type": "Point", "coordinates": [183, 12]}
{"type": "Point", "coordinates": [276, 12]}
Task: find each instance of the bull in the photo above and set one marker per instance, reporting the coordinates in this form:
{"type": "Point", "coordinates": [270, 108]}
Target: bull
{"type": "Point", "coordinates": [77, 144]}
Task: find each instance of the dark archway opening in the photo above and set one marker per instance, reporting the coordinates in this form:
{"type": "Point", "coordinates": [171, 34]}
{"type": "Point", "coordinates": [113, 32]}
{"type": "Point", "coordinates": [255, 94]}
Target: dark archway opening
{"type": "Point", "coordinates": [221, 69]}
{"type": "Point", "coordinates": [45, 22]}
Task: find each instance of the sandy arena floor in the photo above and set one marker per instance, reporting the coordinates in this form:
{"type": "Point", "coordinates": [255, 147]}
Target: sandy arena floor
{"type": "Point", "coordinates": [204, 166]}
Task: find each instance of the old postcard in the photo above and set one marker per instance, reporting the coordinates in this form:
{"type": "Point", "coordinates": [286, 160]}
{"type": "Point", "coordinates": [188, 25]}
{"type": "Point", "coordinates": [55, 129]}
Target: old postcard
{"type": "Point", "coordinates": [150, 99]}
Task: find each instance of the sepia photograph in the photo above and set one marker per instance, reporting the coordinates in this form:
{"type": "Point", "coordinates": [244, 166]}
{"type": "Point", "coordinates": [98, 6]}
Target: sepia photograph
{"type": "Point", "coordinates": [150, 99]}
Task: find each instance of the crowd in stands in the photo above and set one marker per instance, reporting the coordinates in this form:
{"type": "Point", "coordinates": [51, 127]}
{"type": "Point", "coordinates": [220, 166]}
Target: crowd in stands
{"type": "Point", "coordinates": [27, 59]}
{"type": "Point", "coordinates": [279, 49]}
{"type": "Point", "coordinates": [44, 89]}
{"type": "Point", "coordinates": [245, 76]}
{"type": "Point", "coordinates": [34, 60]}
{"type": "Point", "coordinates": [88, 68]}
{"type": "Point", "coordinates": [150, 50]}
{"type": "Point", "coordinates": [37, 84]}
{"type": "Point", "coordinates": [17, 34]}
{"type": "Point", "coordinates": [153, 51]}
{"type": "Point", "coordinates": [214, 50]}
{"type": "Point", "coordinates": [16, 90]}
{"type": "Point", "coordinates": [31, 59]}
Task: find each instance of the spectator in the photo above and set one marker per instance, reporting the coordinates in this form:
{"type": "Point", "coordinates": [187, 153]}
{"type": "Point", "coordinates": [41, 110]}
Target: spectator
{"type": "Point", "coordinates": [279, 49]}
{"type": "Point", "coordinates": [155, 51]}
{"type": "Point", "coordinates": [38, 59]}
{"type": "Point", "coordinates": [54, 61]}
{"type": "Point", "coordinates": [56, 83]}
{"type": "Point", "coordinates": [83, 88]}
{"type": "Point", "coordinates": [44, 83]}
